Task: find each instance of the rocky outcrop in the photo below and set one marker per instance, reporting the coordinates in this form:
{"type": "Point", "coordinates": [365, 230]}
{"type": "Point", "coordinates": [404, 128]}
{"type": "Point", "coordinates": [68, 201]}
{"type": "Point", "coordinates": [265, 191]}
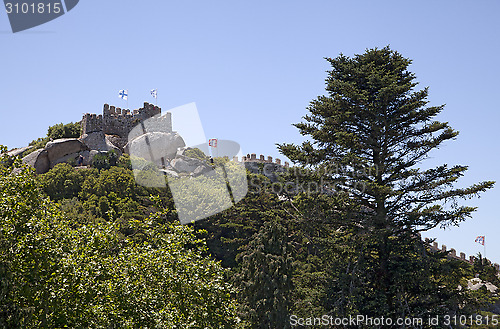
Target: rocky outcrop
{"type": "Point", "coordinates": [39, 160]}
{"type": "Point", "coordinates": [153, 146]}
{"type": "Point", "coordinates": [88, 156]}
{"type": "Point", "coordinates": [184, 164]}
{"type": "Point", "coordinates": [169, 173]}
{"type": "Point", "coordinates": [142, 133]}
{"type": "Point", "coordinates": [18, 151]}
{"type": "Point", "coordinates": [99, 142]}
{"type": "Point", "coordinates": [477, 283]}
{"type": "Point", "coordinates": [58, 151]}
{"type": "Point", "coordinates": [62, 147]}
{"type": "Point", "coordinates": [270, 170]}
{"type": "Point", "coordinates": [117, 141]}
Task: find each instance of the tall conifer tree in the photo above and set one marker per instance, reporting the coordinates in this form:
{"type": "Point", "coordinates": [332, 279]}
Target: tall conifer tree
{"type": "Point", "coordinates": [367, 136]}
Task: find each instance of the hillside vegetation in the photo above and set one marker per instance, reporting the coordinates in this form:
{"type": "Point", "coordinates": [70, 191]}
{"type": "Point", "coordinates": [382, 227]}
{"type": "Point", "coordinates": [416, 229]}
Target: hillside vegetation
{"type": "Point", "coordinates": [87, 247]}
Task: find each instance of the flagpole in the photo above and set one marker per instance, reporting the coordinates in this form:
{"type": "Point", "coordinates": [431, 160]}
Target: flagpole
{"type": "Point", "coordinates": [484, 245]}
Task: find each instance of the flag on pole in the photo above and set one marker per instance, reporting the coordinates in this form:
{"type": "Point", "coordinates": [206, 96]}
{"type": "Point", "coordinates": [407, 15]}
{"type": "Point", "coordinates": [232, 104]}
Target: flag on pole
{"type": "Point", "coordinates": [154, 93]}
{"type": "Point", "coordinates": [123, 94]}
{"type": "Point", "coordinates": [480, 239]}
{"type": "Point", "coordinates": [212, 142]}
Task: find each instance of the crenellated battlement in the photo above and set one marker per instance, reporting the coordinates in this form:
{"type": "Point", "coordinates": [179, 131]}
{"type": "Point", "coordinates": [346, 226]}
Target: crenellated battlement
{"type": "Point", "coordinates": [118, 121]}
{"type": "Point", "coordinates": [91, 123]}
{"type": "Point", "coordinates": [262, 159]}
{"type": "Point", "coordinates": [453, 253]}
{"type": "Point", "coordinates": [157, 123]}
{"type": "Point", "coordinates": [148, 111]}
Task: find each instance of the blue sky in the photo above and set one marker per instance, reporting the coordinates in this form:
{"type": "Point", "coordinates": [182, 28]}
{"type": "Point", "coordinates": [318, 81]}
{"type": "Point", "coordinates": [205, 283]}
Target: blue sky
{"type": "Point", "coordinates": [252, 67]}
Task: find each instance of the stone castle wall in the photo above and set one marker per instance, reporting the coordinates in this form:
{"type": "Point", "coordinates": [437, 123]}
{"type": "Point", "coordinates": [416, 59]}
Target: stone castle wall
{"type": "Point", "coordinates": [117, 121]}
{"type": "Point", "coordinates": [453, 253]}
{"type": "Point", "coordinates": [91, 123]}
{"type": "Point", "coordinates": [262, 159]}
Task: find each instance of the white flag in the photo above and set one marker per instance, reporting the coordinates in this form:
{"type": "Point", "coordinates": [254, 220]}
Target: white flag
{"type": "Point", "coordinates": [123, 94]}
{"type": "Point", "coordinates": [154, 93]}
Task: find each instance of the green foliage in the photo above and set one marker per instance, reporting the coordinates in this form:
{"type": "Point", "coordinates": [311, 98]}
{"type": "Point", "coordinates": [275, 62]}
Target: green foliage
{"type": "Point", "coordinates": [105, 160]}
{"type": "Point", "coordinates": [117, 180]}
{"type": "Point", "coordinates": [62, 182]}
{"type": "Point", "coordinates": [69, 130]}
{"type": "Point", "coordinates": [87, 194]}
{"type": "Point", "coordinates": [56, 273]}
{"type": "Point", "coordinates": [339, 239]}
{"type": "Point", "coordinates": [231, 230]}
{"type": "Point", "coordinates": [485, 270]}
{"type": "Point", "coordinates": [60, 130]}
{"type": "Point", "coordinates": [265, 278]}
{"type": "Point", "coordinates": [196, 153]}
{"type": "Point", "coordinates": [367, 136]}
{"type": "Point", "coordinates": [124, 161]}
{"type": "Point", "coordinates": [201, 195]}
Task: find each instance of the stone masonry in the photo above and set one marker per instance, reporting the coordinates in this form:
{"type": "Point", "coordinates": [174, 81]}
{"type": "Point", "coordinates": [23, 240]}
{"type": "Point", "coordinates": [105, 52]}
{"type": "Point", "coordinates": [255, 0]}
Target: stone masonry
{"type": "Point", "coordinates": [117, 121]}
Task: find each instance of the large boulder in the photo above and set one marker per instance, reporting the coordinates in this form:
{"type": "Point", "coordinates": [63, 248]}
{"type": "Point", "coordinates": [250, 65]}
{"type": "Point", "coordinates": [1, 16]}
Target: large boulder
{"type": "Point", "coordinates": [70, 158]}
{"type": "Point", "coordinates": [184, 164]}
{"type": "Point", "coordinates": [169, 173]}
{"type": "Point", "coordinates": [18, 151]}
{"type": "Point", "coordinates": [476, 284]}
{"type": "Point", "coordinates": [153, 146]}
{"type": "Point", "coordinates": [98, 141]}
{"type": "Point", "coordinates": [88, 156]}
{"type": "Point", "coordinates": [39, 160]}
{"type": "Point", "coordinates": [62, 147]}
{"type": "Point", "coordinates": [117, 141]}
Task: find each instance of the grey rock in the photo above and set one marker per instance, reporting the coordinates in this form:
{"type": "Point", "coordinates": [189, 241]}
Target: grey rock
{"type": "Point", "coordinates": [169, 173]}
{"type": "Point", "coordinates": [98, 141]}
{"type": "Point", "coordinates": [18, 151]}
{"type": "Point", "coordinates": [66, 158]}
{"type": "Point", "coordinates": [201, 170]}
{"type": "Point", "coordinates": [39, 160]}
{"type": "Point", "coordinates": [185, 165]}
{"type": "Point", "coordinates": [181, 165]}
{"type": "Point", "coordinates": [88, 156]}
{"type": "Point", "coordinates": [91, 156]}
{"type": "Point", "coordinates": [62, 147]}
{"type": "Point", "coordinates": [182, 151]}
{"type": "Point", "coordinates": [117, 141]}
{"type": "Point", "coordinates": [476, 283]}
{"type": "Point", "coordinates": [153, 146]}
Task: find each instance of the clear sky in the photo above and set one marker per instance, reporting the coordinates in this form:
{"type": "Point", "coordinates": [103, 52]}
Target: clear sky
{"type": "Point", "coordinates": [252, 67]}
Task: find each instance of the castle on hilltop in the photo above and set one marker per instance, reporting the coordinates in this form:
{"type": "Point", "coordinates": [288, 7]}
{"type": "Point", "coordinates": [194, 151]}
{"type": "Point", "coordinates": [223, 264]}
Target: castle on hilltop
{"type": "Point", "coordinates": [120, 122]}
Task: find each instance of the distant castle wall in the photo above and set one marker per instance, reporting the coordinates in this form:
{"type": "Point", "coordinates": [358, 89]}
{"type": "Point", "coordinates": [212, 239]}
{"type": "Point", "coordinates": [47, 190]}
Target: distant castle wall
{"type": "Point", "coordinates": [252, 158]}
{"type": "Point", "coordinates": [262, 159]}
{"type": "Point", "coordinates": [117, 121]}
{"type": "Point", "coordinates": [453, 254]}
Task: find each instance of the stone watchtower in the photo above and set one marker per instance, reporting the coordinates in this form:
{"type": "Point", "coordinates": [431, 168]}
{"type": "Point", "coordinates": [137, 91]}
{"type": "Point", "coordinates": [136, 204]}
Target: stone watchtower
{"type": "Point", "coordinates": [119, 122]}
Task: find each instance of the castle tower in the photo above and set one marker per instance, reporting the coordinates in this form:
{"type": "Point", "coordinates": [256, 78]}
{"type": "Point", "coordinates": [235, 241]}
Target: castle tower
{"type": "Point", "coordinates": [117, 121]}
{"type": "Point", "coordinates": [91, 123]}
